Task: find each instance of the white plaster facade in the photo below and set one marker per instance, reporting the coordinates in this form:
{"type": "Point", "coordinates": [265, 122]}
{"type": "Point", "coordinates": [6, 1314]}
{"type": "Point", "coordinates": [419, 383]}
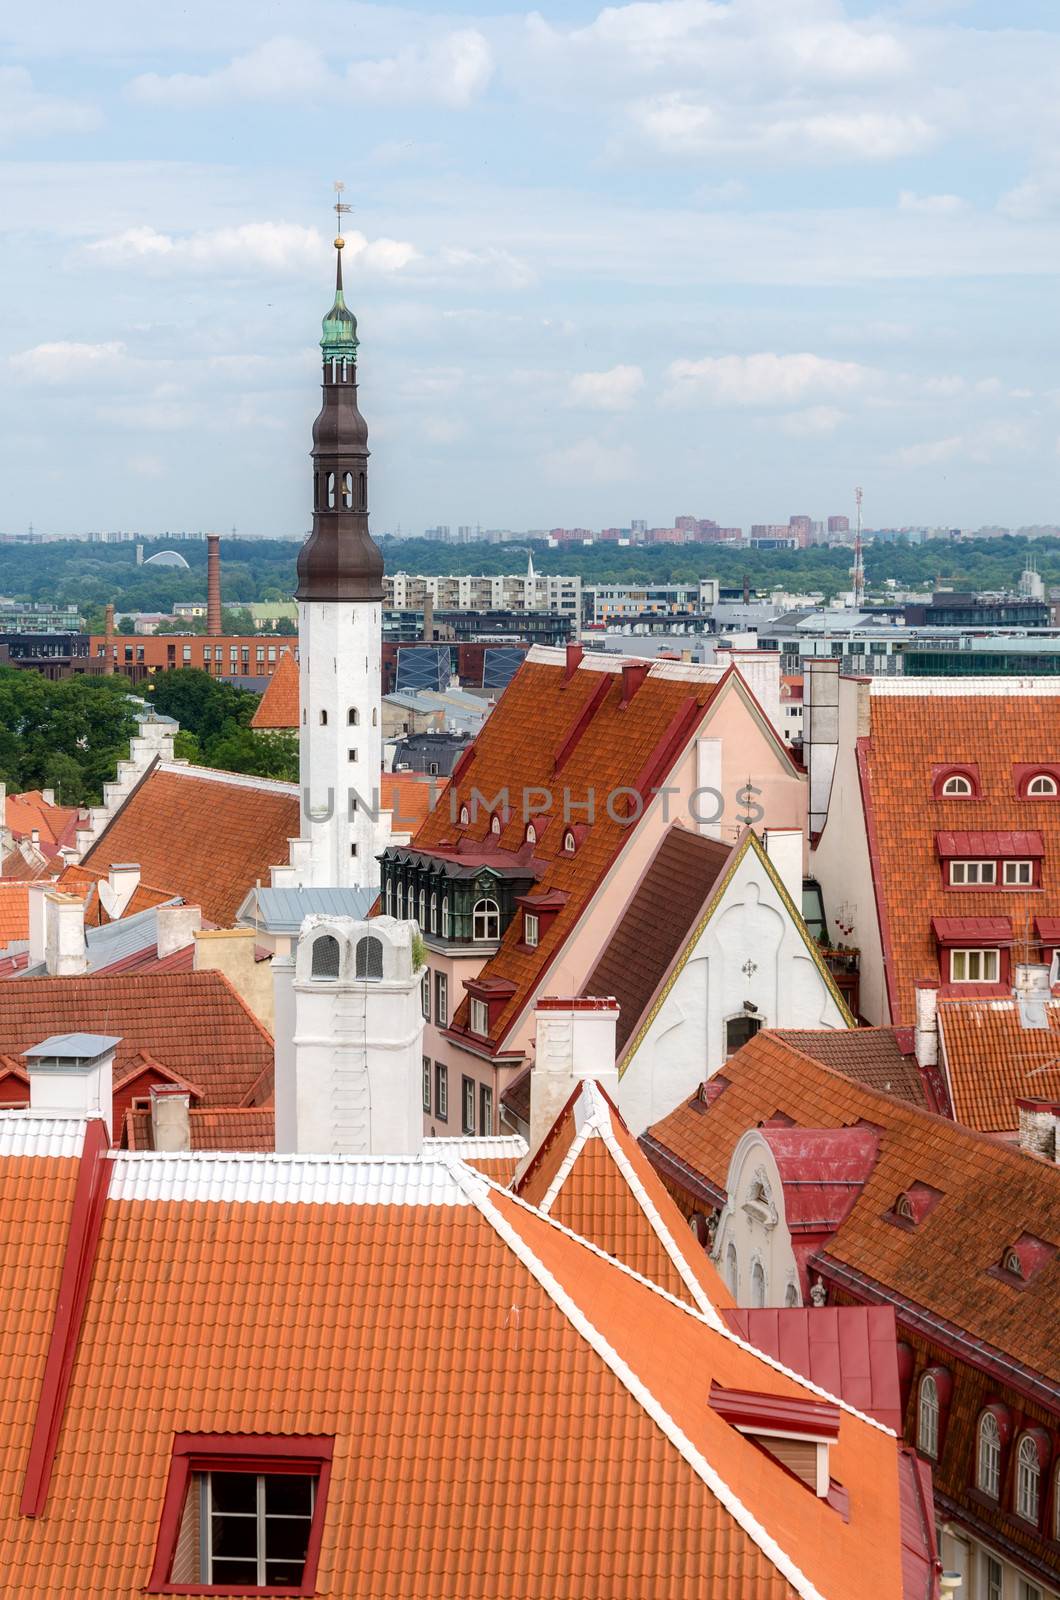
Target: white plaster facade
{"type": "Point", "coordinates": [340, 743]}
{"type": "Point", "coordinates": [752, 1245]}
{"type": "Point", "coordinates": [348, 1047]}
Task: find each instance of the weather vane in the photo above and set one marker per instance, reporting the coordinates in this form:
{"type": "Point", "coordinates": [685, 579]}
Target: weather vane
{"type": "Point", "coordinates": [340, 209]}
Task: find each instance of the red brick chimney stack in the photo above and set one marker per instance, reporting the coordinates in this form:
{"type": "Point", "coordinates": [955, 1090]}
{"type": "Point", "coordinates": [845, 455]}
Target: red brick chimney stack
{"type": "Point", "coordinates": [108, 635]}
{"type": "Point", "coordinates": [213, 585]}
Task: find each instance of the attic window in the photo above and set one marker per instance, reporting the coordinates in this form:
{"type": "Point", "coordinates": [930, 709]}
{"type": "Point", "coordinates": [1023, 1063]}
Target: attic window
{"type": "Point", "coordinates": [325, 963]}
{"type": "Point", "coordinates": [369, 958]}
{"type": "Point", "coordinates": [912, 1205]}
{"type": "Point", "coordinates": [795, 1432]}
{"type": "Point", "coordinates": [1023, 1260]}
{"type": "Point", "coordinates": [568, 843]}
{"type": "Point", "coordinates": [903, 1209]}
{"type": "Point", "coordinates": [1042, 783]}
{"type": "Point", "coordinates": [957, 784]}
{"type": "Point", "coordinates": [465, 816]}
{"type": "Point", "coordinates": [242, 1515]}
{"type": "Point", "coordinates": [531, 834]}
{"type": "Point", "coordinates": [495, 825]}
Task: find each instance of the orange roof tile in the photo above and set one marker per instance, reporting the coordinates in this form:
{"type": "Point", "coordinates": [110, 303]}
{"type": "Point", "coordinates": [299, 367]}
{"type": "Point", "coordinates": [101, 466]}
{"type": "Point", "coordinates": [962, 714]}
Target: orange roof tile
{"type": "Point", "coordinates": [195, 1265]}
{"type": "Point", "coordinates": [205, 836]}
{"type": "Point", "coordinates": [410, 798]}
{"type": "Point", "coordinates": [872, 1056]}
{"type": "Point", "coordinates": [278, 707]}
{"type": "Point", "coordinates": [192, 1022]}
{"type": "Point", "coordinates": [55, 824]}
{"type": "Point", "coordinates": [991, 1193]}
{"type": "Point", "coordinates": [991, 1060]}
{"type": "Point", "coordinates": [562, 732]}
{"type": "Point", "coordinates": [912, 736]}
{"type": "Point", "coordinates": [14, 911]}
{"type": "Point", "coordinates": [82, 880]}
{"type": "Point", "coordinates": [226, 1128]}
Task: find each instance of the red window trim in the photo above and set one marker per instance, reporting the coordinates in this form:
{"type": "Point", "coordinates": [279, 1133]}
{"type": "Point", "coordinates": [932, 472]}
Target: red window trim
{"type": "Point", "coordinates": [230, 1452]}
{"type": "Point", "coordinates": [1024, 771]}
{"type": "Point", "coordinates": [956, 769]}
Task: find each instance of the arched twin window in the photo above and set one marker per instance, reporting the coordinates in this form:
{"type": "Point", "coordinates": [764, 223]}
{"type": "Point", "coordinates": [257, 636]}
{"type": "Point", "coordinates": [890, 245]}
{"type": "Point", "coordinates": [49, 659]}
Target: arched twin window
{"type": "Point", "coordinates": [1028, 1480]}
{"type": "Point", "coordinates": [957, 784]}
{"type": "Point", "coordinates": [1042, 783]}
{"type": "Point", "coordinates": [758, 1284]}
{"type": "Point", "coordinates": [369, 957]}
{"type": "Point", "coordinates": [486, 920]}
{"type": "Point", "coordinates": [732, 1271]}
{"type": "Point", "coordinates": [325, 962]}
{"type": "Point", "coordinates": [988, 1457]}
{"type": "Point", "coordinates": [445, 916]}
{"type": "Point", "coordinates": [927, 1422]}
{"type": "Point", "coordinates": [434, 913]}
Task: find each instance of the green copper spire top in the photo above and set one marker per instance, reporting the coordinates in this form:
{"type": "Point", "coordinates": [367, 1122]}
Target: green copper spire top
{"type": "Point", "coordinates": [340, 325]}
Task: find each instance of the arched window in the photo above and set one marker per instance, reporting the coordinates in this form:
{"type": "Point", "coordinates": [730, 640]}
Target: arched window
{"type": "Point", "coordinates": [352, 718]}
{"type": "Point", "coordinates": [331, 491]}
{"type": "Point", "coordinates": [369, 956]}
{"type": "Point", "coordinates": [423, 908]}
{"type": "Point", "coordinates": [390, 899]}
{"type": "Point", "coordinates": [1028, 1480]}
{"type": "Point", "coordinates": [445, 917]}
{"type": "Point", "coordinates": [400, 901]}
{"type": "Point", "coordinates": [568, 843]}
{"type": "Point", "coordinates": [758, 1284]}
{"type": "Point", "coordinates": [903, 1209]}
{"type": "Point", "coordinates": [791, 1295]}
{"type": "Point", "coordinates": [957, 783]}
{"type": "Point", "coordinates": [486, 920]}
{"type": "Point", "coordinates": [1012, 1263]}
{"type": "Point", "coordinates": [531, 833]}
{"type": "Point", "coordinates": [495, 825]}
{"type": "Point", "coordinates": [988, 1458]}
{"type": "Point", "coordinates": [732, 1271]}
{"type": "Point", "coordinates": [325, 957]}
{"type": "Point", "coordinates": [364, 491]}
{"type": "Point", "coordinates": [465, 816]}
{"type": "Point", "coordinates": [434, 913]}
{"type": "Point", "coordinates": [347, 490]}
{"type": "Point", "coordinates": [1042, 783]}
{"type": "Point", "coordinates": [323, 719]}
{"type": "Point", "coordinates": [927, 1425]}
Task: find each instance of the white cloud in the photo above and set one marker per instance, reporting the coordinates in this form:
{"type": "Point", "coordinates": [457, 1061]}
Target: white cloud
{"type": "Point", "coordinates": [248, 248]}
{"type": "Point", "coordinates": [988, 442]}
{"type": "Point", "coordinates": [614, 390]}
{"type": "Point", "coordinates": [1037, 196]}
{"type": "Point", "coordinates": [763, 379]}
{"type": "Point", "coordinates": [146, 466]}
{"type": "Point", "coordinates": [26, 113]}
{"type": "Point", "coordinates": [683, 124]}
{"type": "Point", "coordinates": [816, 422]}
{"type": "Point", "coordinates": [931, 452]}
{"type": "Point", "coordinates": [449, 71]}
{"type": "Point", "coordinates": [443, 430]}
{"type": "Point", "coordinates": [931, 205]}
{"type": "Point", "coordinates": [64, 361]}
{"type": "Point", "coordinates": [588, 461]}
{"type": "Point", "coordinates": [489, 265]}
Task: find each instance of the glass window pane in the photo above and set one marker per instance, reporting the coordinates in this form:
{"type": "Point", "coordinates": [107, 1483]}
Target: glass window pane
{"type": "Point", "coordinates": [235, 1537]}
{"type": "Point", "coordinates": [243, 1571]}
{"type": "Point", "coordinates": [288, 1494]}
{"type": "Point", "coordinates": [235, 1491]}
{"type": "Point", "coordinates": [285, 1574]}
{"type": "Point", "coordinates": [287, 1539]}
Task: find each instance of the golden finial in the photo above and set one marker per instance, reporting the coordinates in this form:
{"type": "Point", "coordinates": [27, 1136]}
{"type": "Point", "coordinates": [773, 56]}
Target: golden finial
{"type": "Point", "coordinates": [340, 209]}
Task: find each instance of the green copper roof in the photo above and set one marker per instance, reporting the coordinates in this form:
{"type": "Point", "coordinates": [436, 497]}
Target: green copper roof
{"type": "Point", "coordinates": [340, 325]}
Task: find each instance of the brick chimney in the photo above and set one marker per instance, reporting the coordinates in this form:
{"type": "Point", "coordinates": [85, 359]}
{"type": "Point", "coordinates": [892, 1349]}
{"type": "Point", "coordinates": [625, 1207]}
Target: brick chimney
{"type": "Point", "coordinates": [428, 619]}
{"type": "Point", "coordinates": [213, 585]}
{"type": "Point", "coordinates": [575, 1040]}
{"type": "Point", "coordinates": [170, 1117]}
{"type": "Point", "coordinates": [926, 1036]}
{"type": "Point", "coordinates": [108, 643]}
{"type": "Point", "coordinates": [72, 1074]}
{"type": "Point", "coordinates": [1040, 1128]}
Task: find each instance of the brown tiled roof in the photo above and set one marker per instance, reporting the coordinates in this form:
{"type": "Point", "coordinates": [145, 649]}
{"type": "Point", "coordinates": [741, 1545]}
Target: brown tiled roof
{"type": "Point", "coordinates": [230, 1128]}
{"type": "Point", "coordinates": [84, 881]}
{"type": "Point", "coordinates": [278, 706]}
{"type": "Point", "coordinates": [571, 733]}
{"type": "Point", "coordinates": [991, 1193]}
{"type": "Point", "coordinates": [656, 923]}
{"type": "Point", "coordinates": [603, 1187]}
{"type": "Point", "coordinates": [271, 1319]}
{"type": "Point", "coordinates": [192, 1022]}
{"type": "Point", "coordinates": [207, 837]}
{"type": "Point", "coordinates": [872, 1056]}
{"type": "Point", "coordinates": [992, 1060]}
{"type": "Point", "coordinates": [912, 736]}
{"type": "Point", "coordinates": [16, 869]}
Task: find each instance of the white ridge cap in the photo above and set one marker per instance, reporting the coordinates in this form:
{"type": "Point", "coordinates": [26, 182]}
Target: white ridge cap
{"type": "Point", "coordinates": [221, 1176]}
{"type": "Point", "coordinates": [966, 688]}
{"type": "Point", "coordinates": [488, 1147]}
{"type": "Point", "coordinates": [28, 1133]}
{"type": "Point", "coordinates": [238, 780]}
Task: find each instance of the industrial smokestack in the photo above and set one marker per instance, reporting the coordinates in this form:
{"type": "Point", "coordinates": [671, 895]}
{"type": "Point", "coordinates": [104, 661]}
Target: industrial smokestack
{"type": "Point", "coordinates": [428, 619]}
{"type": "Point", "coordinates": [108, 642]}
{"type": "Point", "coordinates": [213, 585]}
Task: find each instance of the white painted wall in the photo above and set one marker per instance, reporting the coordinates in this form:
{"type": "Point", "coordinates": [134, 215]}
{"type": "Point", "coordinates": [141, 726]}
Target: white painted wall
{"type": "Point", "coordinates": [753, 1224]}
{"type": "Point", "coordinates": [339, 671]}
{"type": "Point", "coordinates": [750, 951]}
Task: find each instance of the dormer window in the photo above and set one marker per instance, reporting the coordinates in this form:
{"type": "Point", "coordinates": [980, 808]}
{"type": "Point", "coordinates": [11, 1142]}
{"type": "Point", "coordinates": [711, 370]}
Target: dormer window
{"type": "Point", "coordinates": [569, 845]}
{"type": "Point", "coordinates": [486, 919]}
{"type": "Point", "coordinates": [796, 1432]}
{"type": "Point", "coordinates": [1034, 782]}
{"type": "Point", "coordinates": [530, 930]}
{"type": "Point", "coordinates": [495, 825]}
{"type": "Point", "coordinates": [1042, 783]}
{"type": "Point", "coordinates": [912, 1205]}
{"type": "Point", "coordinates": [970, 874]}
{"type": "Point", "coordinates": [957, 785]}
{"type": "Point", "coordinates": [480, 1018]}
{"type": "Point", "coordinates": [1012, 1263]}
{"type": "Point", "coordinates": [530, 836]}
{"type": "Point", "coordinates": [903, 1209]}
{"type": "Point", "coordinates": [1023, 1260]}
{"type": "Point", "coordinates": [1018, 874]}
{"type": "Point", "coordinates": [465, 816]}
{"type": "Point", "coordinates": [975, 966]}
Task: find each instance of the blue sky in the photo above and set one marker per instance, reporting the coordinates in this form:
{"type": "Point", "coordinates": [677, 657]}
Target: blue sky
{"type": "Point", "coordinates": [726, 257]}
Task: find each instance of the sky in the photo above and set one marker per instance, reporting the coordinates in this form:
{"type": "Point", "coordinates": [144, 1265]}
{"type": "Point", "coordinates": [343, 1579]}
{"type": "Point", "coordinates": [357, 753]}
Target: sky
{"type": "Point", "coordinates": [727, 258]}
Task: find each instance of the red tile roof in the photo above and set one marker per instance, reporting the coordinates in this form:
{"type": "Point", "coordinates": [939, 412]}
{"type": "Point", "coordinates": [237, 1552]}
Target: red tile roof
{"type": "Point", "coordinates": [278, 707]}
{"type": "Point", "coordinates": [410, 798]}
{"type": "Point", "coordinates": [913, 735]}
{"type": "Point", "coordinates": [14, 912]}
{"type": "Point", "coordinates": [56, 825]}
{"type": "Point", "coordinates": [990, 1194]}
{"type": "Point", "coordinates": [205, 836]}
{"type": "Point", "coordinates": [573, 732]}
{"type": "Point", "coordinates": [84, 881]}
{"type": "Point", "coordinates": [872, 1056]}
{"type": "Point", "coordinates": [992, 1060]}
{"type": "Point", "coordinates": [606, 1370]}
{"type": "Point", "coordinates": [194, 1023]}
{"type": "Point", "coordinates": [230, 1128]}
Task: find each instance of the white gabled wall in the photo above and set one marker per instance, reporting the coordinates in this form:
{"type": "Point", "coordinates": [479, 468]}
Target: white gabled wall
{"type": "Point", "coordinates": [752, 1228]}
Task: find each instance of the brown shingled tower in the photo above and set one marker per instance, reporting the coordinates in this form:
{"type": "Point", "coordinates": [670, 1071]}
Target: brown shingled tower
{"type": "Point", "coordinates": [213, 585]}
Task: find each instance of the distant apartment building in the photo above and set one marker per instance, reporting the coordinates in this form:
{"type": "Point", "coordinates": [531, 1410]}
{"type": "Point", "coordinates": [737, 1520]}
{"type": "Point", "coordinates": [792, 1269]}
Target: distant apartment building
{"type": "Point", "coordinates": [27, 616]}
{"type": "Point", "coordinates": [405, 591]}
{"type": "Point", "coordinates": [839, 525]}
{"type": "Point", "coordinates": [232, 656]}
{"type": "Point", "coordinates": [610, 602]}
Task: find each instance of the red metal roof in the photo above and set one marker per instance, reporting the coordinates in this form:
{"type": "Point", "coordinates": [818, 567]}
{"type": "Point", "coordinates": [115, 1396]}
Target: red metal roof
{"type": "Point", "coordinates": [1048, 930]}
{"type": "Point", "coordinates": [990, 843]}
{"type": "Point", "coordinates": [972, 930]}
{"type": "Point", "coordinates": [823, 1171]}
{"type": "Point", "coordinates": [848, 1350]}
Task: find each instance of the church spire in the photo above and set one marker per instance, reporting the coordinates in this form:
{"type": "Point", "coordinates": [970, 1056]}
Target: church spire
{"type": "Point", "coordinates": [340, 560]}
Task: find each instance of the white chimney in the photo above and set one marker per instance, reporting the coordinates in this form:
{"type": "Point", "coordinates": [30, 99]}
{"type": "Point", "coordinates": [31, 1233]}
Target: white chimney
{"type": "Point", "coordinates": [38, 922]}
{"type": "Point", "coordinates": [123, 879]}
{"type": "Point", "coordinates": [65, 953]}
{"type": "Point", "coordinates": [176, 927]}
{"type": "Point", "coordinates": [926, 1037]}
{"type": "Point", "coordinates": [48, 796]}
{"type": "Point", "coordinates": [170, 1117]}
{"type": "Point", "coordinates": [356, 1056]}
{"type": "Point", "coordinates": [784, 847]}
{"type": "Point", "coordinates": [72, 1075]}
{"type": "Point", "coordinates": [575, 1040]}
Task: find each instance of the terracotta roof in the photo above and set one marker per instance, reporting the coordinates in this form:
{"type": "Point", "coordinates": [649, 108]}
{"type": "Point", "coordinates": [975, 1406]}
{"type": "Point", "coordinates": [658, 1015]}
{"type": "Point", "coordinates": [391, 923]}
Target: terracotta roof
{"type": "Point", "coordinates": [679, 878]}
{"type": "Point", "coordinates": [564, 732]}
{"type": "Point", "coordinates": [198, 1263]}
{"type": "Point", "coordinates": [872, 1056]}
{"type": "Point", "coordinates": [1001, 845]}
{"type": "Point", "coordinates": [278, 706]}
{"type": "Point", "coordinates": [497, 1157]}
{"type": "Point", "coordinates": [56, 825]}
{"type": "Point", "coordinates": [992, 1059]}
{"type": "Point", "coordinates": [14, 912]}
{"type": "Point", "coordinates": [16, 868]}
{"type": "Point", "coordinates": [991, 1193]}
{"type": "Point", "coordinates": [913, 736]}
{"type": "Point", "coordinates": [592, 1176]}
{"type": "Point", "coordinates": [203, 835]}
{"type": "Point", "coordinates": [193, 1023]}
{"type": "Point", "coordinates": [230, 1128]}
{"type": "Point", "coordinates": [82, 880]}
{"type": "Point", "coordinates": [410, 797]}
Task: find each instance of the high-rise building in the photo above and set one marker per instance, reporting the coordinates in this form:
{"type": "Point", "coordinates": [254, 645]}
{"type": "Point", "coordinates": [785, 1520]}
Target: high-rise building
{"type": "Point", "coordinates": [839, 525]}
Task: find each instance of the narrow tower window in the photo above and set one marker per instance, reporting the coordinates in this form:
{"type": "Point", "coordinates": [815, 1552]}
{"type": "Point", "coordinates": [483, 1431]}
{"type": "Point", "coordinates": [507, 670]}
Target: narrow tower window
{"type": "Point", "coordinates": [369, 957]}
{"type": "Point", "coordinates": [331, 491]}
{"type": "Point", "coordinates": [352, 718]}
{"type": "Point", "coordinates": [347, 490]}
{"type": "Point", "coordinates": [323, 719]}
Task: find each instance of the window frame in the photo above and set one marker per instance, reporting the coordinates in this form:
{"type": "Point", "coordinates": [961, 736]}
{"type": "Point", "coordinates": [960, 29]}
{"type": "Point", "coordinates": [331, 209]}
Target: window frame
{"type": "Point", "coordinates": [965, 793]}
{"type": "Point", "coordinates": [479, 1018]}
{"type": "Point", "coordinates": [980, 951]}
{"type": "Point", "coordinates": [1049, 793]}
{"type": "Point", "coordinates": [1024, 864]}
{"type": "Point", "coordinates": [485, 1110]}
{"type": "Point", "coordinates": [1025, 1441]}
{"type": "Point", "coordinates": [928, 1446]}
{"type": "Point", "coordinates": [441, 1000]}
{"type": "Point", "coordinates": [426, 1086]}
{"type": "Point", "coordinates": [972, 870]}
{"type": "Point", "coordinates": [304, 1454]}
{"type": "Point", "coordinates": [467, 1105]}
{"type": "Point", "coordinates": [441, 1091]}
{"type": "Point", "coordinates": [988, 1476]}
{"type": "Point", "coordinates": [531, 930]}
{"type": "Point", "coordinates": [488, 918]}
{"type": "Point", "coordinates": [425, 994]}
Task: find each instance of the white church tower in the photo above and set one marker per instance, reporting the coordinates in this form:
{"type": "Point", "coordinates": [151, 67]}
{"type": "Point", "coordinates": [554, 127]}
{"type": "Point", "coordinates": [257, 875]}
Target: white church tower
{"type": "Point", "coordinates": [340, 599]}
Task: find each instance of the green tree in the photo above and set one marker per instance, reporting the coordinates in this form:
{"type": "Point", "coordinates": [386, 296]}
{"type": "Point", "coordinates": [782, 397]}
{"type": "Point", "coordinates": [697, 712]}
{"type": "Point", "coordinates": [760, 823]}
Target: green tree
{"type": "Point", "coordinates": [273, 755]}
{"type": "Point", "coordinates": [87, 720]}
{"type": "Point", "coordinates": [66, 777]}
{"type": "Point", "coordinates": [126, 625]}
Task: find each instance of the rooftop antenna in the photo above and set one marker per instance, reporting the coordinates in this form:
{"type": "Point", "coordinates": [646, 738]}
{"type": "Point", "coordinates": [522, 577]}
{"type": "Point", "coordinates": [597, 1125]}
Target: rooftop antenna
{"type": "Point", "coordinates": [859, 566]}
